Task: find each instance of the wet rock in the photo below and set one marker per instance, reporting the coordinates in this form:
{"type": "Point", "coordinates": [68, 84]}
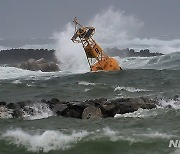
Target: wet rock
{"type": "Point", "coordinates": [11, 105]}
{"type": "Point", "coordinates": [2, 103]}
{"type": "Point", "coordinates": [32, 65]}
{"type": "Point", "coordinates": [54, 67]}
{"type": "Point", "coordinates": [44, 67]}
{"type": "Point", "coordinates": [23, 66]}
{"type": "Point", "coordinates": [91, 112]}
{"type": "Point", "coordinates": [40, 64]}
{"type": "Point", "coordinates": [97, 108]}
{"type": "Point", "coordinates": [41, 61]}
{"type": "Point", "coordinates": [59, 109]}
{"type": "Point", "coordinates": [71, 112]}
{"type": "Point", "coordinates": [176, 97]}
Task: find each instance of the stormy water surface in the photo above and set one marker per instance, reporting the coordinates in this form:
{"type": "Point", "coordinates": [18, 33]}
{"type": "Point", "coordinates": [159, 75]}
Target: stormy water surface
{"type": "Point", "coordinates": [143, 131]}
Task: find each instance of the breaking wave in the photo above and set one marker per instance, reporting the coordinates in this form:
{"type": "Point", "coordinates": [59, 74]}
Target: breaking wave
{"type": "Point", "coordinates": [130, 89]}
{"type": "Point", "coordinates": [46, 141]}
{"type": "Point", "coordinates": [38, 111]}
{"type": "Point", "coordinates": [51, 140]}
{"type": "Point", "coordinates": [121, 33]}
{"type": "Point", "coordinates": [170, 61]}
{"type": "Point", "coordinates": [140, 113]}
{"type": "Point", "coordinates": [171, 103]}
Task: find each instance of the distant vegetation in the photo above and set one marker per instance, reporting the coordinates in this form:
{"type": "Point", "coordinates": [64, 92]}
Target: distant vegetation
{"type": "Point", "coordinates": [131, 52]}
{"type": "Point", "coordinates": [14, 56]}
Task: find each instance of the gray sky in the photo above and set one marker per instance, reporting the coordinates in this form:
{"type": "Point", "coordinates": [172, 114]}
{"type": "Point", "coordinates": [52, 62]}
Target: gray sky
{"type": "Point", "coordinates": [41, 18]}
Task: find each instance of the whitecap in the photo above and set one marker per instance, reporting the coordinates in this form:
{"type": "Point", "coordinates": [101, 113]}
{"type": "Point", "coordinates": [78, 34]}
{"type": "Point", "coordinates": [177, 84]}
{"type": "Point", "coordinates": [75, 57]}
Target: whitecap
{"type": "Point", "coordinates": [155, 135]}
{"type": "Point", "coordinates": [169, 103]}
{"type": "Point", "coordinates": [140, 113]}
{"type": "Point", "coordinates": [47, 141]}
{"type": "Point", "coordinates": [5, 113]}
{"type": "Point", "coordinates": [86, 90]}
{"type": "Point", "coordinates": [86, 83]}
{"type": "Point", "coordinates": [130, 89]}
{"type": "Point", "coordinates": [38, 111]}
{"type": "Point", "coordinates": [16, 82]}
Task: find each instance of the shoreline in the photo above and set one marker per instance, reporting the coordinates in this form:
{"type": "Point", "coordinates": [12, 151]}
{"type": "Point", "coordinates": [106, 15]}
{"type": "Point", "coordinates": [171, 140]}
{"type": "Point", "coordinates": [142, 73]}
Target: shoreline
{"type": "Point", "coordinates": [88, 109]}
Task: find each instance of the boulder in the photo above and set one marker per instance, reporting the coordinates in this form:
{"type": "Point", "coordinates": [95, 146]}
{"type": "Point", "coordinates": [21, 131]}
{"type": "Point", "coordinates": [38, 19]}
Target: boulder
{"type": "Point", "coordinates": [32, 65]}
{"type": "Point", "coordinates": [53, 67]}
{"type": "Point", "coordinates": [2, 103]}
{"type": "Point", "coordinates": [91, 112]}
{"type": "Point", "coordinates": [44, 67]}
{"type": "Point", "coordinates": [41, 61]}
{"type": "Point", "coordinates": [24, 66]}
{"type": "Point", "coordinates": [89, 109]}
{"type": "Point", "coordinates": [40, 64]}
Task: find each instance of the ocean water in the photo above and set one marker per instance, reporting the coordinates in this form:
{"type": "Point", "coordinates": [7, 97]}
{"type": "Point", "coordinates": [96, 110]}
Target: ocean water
{"type": "Point", "coordinates": [140, 132]}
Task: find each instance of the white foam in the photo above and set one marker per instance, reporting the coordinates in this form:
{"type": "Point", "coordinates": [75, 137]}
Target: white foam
{"type": "Point", "coordinates": [140, 113]}
{"type": "Point", "coordinates": [45, 142]}
{"type": "Point", "coordinates": [71, 55]}
{"type": "Point", "coordinates": [86, 90]}
{"type": "Point", "coordinates": [155, 135]}
{"type": "Point", "coordinates": [15, 73]}
{"type": "Point", "coordinates": [111, 134]}
{"type": "Point", "coordinates": [16, 82]}
{"type": "Point", "coordinates": [169, 103]}
{"type": "Point", "coordinates": [40, 110]}
{"type": "Point", "coordinates": [116, 136]}
{"type": "Point", "coordinates": [5, 113]}
{"type": "Point", "coordinates": [130, 89]}
{"type": "Point", "coordinates": [86, 83]}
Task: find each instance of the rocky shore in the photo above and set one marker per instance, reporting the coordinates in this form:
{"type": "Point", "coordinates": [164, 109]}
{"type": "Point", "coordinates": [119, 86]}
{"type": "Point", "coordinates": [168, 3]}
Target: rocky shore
{"type": "Point", "coordinates": [40, 64]}
{"type": "Point", "coordinates": [97, 108]}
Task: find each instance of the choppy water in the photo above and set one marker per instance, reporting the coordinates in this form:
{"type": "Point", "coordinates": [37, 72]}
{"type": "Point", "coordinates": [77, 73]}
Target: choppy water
{"type": "Point", "coordinates": [144, 131]}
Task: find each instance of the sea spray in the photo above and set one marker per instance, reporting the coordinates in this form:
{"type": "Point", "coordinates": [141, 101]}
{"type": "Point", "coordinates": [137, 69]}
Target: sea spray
{"type": "Point", "coordinates": [109, 31]}
{"type": "Point", "coordinates": [71, 56]}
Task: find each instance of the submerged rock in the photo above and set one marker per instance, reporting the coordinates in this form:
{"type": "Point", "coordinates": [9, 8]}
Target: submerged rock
{"type": "Point", "coordinates": [97, 108]}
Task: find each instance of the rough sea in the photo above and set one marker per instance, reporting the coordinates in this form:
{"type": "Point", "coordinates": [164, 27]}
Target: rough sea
{"type": "Point", "coordinates": [141, 132]}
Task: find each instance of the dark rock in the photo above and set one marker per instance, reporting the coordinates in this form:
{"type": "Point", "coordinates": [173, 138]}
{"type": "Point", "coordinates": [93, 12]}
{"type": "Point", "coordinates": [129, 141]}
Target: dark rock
{"type": "Point", "coordinates": [17, 113]}
{"type": "Point", "coordinates": [54, 101]}
{"type": "Point", "coordinates": [96, 108]}
{"type": "Point", "coordinates": [72, 112]}
{"type": "Point", "coordinates": [176, 97]}
{"type": "Point", "coordinates": [11, 105]}
{"type": "Point", "coordinates": [59, 108]}
{"type": "Point", "coordinates": [15, 56]}
{"type": "Point", "coordinates": [91, 112]}
{"type": "Point", "coordinates": [3, 103]}
{"type": "Point", "coordinates": [109, 110]}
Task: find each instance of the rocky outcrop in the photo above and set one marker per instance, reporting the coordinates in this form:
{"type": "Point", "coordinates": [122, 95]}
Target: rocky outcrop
{"type": "Point", "coordinates": [40, 64]}
{"type": "Point", "coordinates": [98, 108]}
{"type": "Point", "coordinates": [131, 52]}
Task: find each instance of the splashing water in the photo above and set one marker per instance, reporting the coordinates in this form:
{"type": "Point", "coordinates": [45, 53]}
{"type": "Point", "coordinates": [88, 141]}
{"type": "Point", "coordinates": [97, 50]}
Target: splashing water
{"type": "Point", "coordinates": [113, 29]}
{"type": "Point", "coordinates": [72, 55]}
